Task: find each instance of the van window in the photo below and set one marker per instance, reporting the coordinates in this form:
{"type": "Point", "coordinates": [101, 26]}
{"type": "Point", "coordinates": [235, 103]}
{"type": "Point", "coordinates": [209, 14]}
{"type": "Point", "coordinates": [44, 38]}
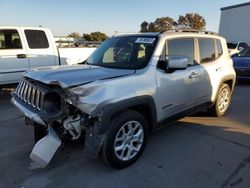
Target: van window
{"type": "Point", "coordinates": [219, 47]}
{"type": "Point", "coordinates": [207, 50]}
{"type": "Point", "coordinates": [181, 47]}
{"type": "Point", "coordinates": [10, 39]}
{"type": "Point", "coordinates": [36, 39]}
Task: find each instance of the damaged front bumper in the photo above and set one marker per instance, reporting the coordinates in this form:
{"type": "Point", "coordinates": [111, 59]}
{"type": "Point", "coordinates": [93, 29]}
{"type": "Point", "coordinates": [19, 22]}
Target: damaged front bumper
{"type": "Point", "coordinates": [31, 115]}
{"type": "Point", "coordinates": [47, 146]}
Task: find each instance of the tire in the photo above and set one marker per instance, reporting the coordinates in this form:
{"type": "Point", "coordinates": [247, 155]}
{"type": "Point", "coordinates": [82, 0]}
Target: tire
{"type": "Point", "coordinates": [128, 133]}
{"type": "Point", "coordinates": [222, 101]}
{"type": "Point", "coordinates": [39, 132]}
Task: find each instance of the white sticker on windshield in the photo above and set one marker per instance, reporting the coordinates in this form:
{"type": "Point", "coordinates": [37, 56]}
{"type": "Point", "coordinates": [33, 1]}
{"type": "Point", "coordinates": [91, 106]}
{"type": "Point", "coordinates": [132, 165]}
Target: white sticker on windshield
{"type": "Point", "coordinates": [145, 40]}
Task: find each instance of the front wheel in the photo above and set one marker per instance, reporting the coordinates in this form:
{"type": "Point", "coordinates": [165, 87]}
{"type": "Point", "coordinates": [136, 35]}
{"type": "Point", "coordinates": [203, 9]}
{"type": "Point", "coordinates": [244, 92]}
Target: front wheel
{"type": "Point", "coordinates": [222, 102]}
{"type": "Point", "coordinates": [125, 140]}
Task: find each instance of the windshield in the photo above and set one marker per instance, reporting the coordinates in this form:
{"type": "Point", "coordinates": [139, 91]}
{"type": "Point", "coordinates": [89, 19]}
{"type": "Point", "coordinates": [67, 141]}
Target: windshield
{"type": "Point", "coordinates": [130, 52]}
{"type": "Point", "coordinates": [231, 45]}
{"type": "Point", "coordinates": [245, 53]}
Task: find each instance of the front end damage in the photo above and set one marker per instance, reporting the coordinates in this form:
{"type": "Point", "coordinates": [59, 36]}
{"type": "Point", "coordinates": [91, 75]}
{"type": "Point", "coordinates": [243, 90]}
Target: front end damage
{"type": "Point", "coordinates": [55, 109]}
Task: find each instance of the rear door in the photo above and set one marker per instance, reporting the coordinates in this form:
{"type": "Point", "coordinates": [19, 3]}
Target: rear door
{"type": "Point", "coordinates": [13, 56]}
{"type": "Point", "coordinates": [212, 66]}
{"type": "Point", "coordinates": [40, 48]}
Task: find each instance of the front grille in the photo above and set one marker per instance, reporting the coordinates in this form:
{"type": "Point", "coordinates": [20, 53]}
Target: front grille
{"type": "Point", "coordinates": [30, 94]}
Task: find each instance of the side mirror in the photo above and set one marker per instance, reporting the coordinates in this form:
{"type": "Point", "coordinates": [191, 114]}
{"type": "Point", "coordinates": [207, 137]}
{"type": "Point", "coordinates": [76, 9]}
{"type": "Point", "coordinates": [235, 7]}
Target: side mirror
{"type": "Point", "coordinates": [177, 62]}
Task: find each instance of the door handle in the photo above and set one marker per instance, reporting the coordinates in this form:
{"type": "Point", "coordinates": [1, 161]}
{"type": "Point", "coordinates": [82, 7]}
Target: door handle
{"type": "Point", "coordinates": [218, 69]}
{"type": "Point", "coordinates": [20, 56]}
{"type": "Point", "coordinates": [193, 75]}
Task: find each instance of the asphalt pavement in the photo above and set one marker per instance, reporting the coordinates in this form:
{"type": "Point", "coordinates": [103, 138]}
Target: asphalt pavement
{"type": "Point", "coordinates": [195, 152]}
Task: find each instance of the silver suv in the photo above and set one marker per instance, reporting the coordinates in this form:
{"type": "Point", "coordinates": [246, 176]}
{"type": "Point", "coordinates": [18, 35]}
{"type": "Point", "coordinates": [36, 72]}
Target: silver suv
{"type": "Point", "coordinates": [131, 85]}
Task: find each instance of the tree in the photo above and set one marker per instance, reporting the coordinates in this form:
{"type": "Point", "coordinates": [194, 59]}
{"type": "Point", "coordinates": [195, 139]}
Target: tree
{"type": "Point", "coordinates": [151, 27]}
{"type": "Point", "coordinates": [160, 24]}
{"type": "Point", "coordinates": [189, 21]}
{"type": "Point", "coordinates": [192, 21]}
{"type": "Point", "coordinates": [164, 23]}
{"type": "Point", "coordinates": [144, 26]}
{"type": "Point", "coordinates": [95, 36]}
{"type": "Point", "coordinates": [74, 35]}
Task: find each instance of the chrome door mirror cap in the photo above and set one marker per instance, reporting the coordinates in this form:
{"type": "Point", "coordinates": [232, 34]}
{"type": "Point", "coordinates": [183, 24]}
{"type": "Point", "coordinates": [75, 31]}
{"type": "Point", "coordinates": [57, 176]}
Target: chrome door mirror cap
{"type": "Point", "coordinates": [177, 62]}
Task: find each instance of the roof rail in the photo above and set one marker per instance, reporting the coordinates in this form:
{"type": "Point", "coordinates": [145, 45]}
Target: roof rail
{"type": "Point", "coordinates": [137, 33]}
{"type": "Point", "coordinates": [189, 31]}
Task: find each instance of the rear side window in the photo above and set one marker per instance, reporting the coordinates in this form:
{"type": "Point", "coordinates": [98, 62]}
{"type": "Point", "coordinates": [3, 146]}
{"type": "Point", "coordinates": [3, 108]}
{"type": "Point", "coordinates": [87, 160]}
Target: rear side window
{"type": "Point", "coordinates": [219, 47]}
{"type": "Point", "coordinates": [36, 39]}
{"type": "Point", "coordinates": [10, 39]}
{"type": "Point", "coordinates": [207, 50]}
{"type": "Point", "coordinates": [182, 47]}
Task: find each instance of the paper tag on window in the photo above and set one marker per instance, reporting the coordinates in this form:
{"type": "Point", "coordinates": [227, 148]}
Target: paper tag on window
{"type": "Point", "coordinates": [145, 40]}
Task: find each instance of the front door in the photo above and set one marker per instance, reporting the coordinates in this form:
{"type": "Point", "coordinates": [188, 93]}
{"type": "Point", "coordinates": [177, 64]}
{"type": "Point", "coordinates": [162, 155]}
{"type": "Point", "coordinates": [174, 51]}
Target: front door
{"type": "Point", "coordinates": [13, 57]}
{"type": "Point", "coordinates": [178, 89]}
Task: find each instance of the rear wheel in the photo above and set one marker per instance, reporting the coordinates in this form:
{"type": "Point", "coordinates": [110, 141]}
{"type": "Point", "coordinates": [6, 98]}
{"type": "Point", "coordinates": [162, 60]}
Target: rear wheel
{"type": "Point", "coordinates": [125, 140]}
{"type": "Point", "coordinates": [222, 102]}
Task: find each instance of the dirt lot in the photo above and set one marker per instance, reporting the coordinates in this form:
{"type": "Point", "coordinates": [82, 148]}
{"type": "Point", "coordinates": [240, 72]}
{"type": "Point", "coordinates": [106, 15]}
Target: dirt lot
{"type": "Point", "coordinates": [197, 151]}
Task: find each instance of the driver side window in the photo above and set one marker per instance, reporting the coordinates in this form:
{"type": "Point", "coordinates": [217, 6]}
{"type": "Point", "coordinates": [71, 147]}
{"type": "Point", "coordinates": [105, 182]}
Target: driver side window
{"type": "Point", "coordinates": [183, 47]}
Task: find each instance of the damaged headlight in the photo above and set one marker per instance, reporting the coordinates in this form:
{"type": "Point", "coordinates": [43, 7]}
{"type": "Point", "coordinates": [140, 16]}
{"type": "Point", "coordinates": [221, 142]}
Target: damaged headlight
{"type": "Point", "coordinates": [52, 103]}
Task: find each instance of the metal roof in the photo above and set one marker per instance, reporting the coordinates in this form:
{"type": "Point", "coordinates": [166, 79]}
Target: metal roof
{"type": "Point", "coordinates": [235, 6]}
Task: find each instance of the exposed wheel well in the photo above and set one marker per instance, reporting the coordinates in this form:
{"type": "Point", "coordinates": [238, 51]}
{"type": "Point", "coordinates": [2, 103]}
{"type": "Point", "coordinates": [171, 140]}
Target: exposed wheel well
{"type": "Point", "coordinates": [230, 83]}
{"type": "Point", "coordinates": [143, 109]}
{"type": "Point", "coordinates": [146, 112]}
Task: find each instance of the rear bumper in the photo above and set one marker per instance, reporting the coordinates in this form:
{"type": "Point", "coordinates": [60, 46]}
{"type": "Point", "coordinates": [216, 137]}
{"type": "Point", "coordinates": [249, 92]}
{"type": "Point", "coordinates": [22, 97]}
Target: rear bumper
{"type": "Point", "coordinates": [31, 115]}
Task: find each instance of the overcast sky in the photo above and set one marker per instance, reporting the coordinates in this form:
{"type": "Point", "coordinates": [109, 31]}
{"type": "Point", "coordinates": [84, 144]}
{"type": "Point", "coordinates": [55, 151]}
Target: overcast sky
{"type": "Point", "coordinates": [83, 16]}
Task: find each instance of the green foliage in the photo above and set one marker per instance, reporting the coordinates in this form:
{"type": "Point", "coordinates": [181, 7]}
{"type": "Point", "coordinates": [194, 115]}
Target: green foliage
{"type": "Point", "coordinates": [192, 21]}
{"type": "Point", "coordinates": [164, 23]}
{"type": "Point", "coordinates": [189, 21]}
{"type": "Point", "coordinates": [151, 27]}
{"type": "Point", "coordinates": [144, 26]}
{"type": "Point", "coordinates": [74, 35]}
{"type": "Point", "coordinates": [95, 36]}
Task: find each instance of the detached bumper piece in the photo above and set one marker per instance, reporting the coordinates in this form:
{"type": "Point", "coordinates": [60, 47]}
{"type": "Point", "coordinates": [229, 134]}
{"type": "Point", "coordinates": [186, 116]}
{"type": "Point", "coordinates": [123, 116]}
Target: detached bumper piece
{"type": "Point", "coordinates": [45, 148]}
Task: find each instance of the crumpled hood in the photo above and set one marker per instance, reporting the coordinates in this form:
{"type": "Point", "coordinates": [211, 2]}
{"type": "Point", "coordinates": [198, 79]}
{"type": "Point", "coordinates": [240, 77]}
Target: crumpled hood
{"type": "Point", "coordinates": [241, 61]}
{"type": "Point", "coordinates": [67, 76]}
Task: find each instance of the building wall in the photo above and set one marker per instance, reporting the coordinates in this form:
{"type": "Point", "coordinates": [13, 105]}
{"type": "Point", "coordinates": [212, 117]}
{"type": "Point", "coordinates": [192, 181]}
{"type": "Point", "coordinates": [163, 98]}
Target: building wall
{"type": "Point", "coordinates": [235, 24]}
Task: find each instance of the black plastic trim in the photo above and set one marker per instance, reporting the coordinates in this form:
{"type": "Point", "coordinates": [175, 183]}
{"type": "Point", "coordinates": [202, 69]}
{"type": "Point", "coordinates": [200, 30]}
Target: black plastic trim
{"type": "Point", "coordinates": [183, 114]}
{"type": "Point", "coordinates": [107, 112]}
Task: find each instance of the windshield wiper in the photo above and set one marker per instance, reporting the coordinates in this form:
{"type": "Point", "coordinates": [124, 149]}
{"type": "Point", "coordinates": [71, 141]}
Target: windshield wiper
{"type": "Point", "coordinates": [83, 63]}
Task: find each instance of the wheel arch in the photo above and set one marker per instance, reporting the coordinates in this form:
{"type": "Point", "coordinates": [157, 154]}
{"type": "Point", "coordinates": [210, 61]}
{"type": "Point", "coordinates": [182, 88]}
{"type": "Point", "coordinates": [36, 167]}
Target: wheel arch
{"type": "Point", "coordinates": [145, 105]}
{"type": "Point", "coordinates": [229, 80]}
